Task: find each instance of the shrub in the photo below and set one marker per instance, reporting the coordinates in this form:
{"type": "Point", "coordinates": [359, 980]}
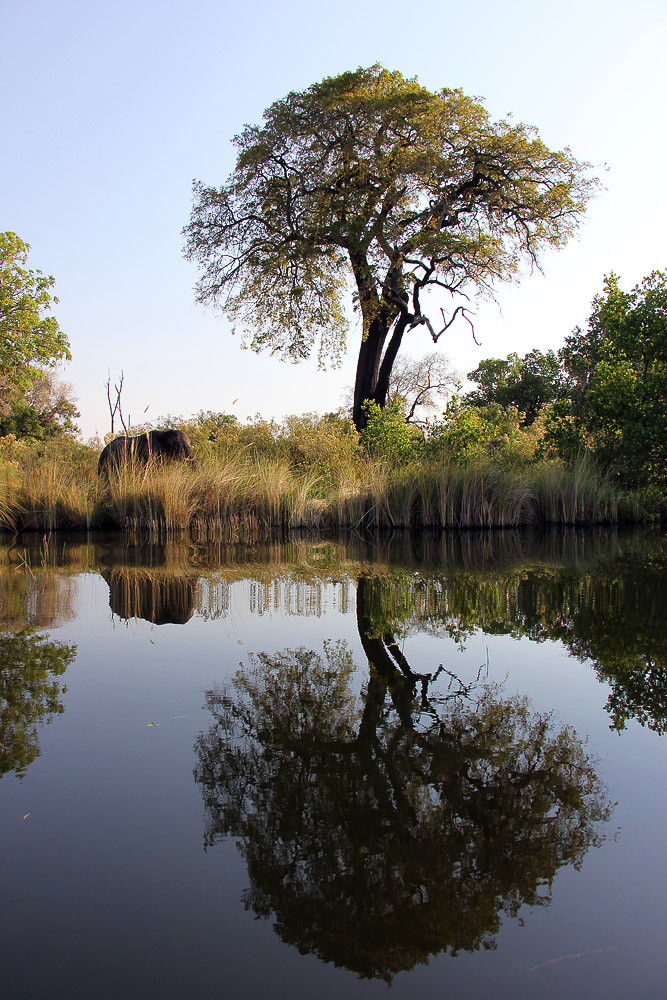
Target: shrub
{"type": "Point", "coordinates": [386, 434]}
{"type": "Point", "coordinates": [470, 433]}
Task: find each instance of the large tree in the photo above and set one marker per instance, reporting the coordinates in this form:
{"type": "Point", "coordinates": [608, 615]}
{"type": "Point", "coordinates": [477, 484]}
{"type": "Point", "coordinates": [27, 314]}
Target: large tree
{"type": "Point", "coordinates": [370, 177]}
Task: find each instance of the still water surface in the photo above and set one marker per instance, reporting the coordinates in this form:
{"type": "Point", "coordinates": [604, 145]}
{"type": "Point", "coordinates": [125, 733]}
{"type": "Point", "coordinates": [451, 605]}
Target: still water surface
{"type": "Point", "coordinates": [316, 768]}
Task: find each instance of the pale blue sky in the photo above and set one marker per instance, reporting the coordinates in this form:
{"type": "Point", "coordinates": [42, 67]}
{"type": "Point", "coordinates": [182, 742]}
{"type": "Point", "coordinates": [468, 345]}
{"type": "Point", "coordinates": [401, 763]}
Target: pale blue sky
{"type": "Point", "coordinates": [110, 110]}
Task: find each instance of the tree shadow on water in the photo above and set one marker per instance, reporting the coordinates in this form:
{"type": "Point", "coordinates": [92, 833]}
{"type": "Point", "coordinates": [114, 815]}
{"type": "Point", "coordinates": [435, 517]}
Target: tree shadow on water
{"type": "Point", "coordinates": [384, 827]}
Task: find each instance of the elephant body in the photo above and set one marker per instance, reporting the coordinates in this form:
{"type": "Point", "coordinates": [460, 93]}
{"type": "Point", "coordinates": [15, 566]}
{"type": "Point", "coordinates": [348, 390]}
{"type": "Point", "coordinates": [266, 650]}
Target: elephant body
{"type": "Point", "coordinates": [142, 448]}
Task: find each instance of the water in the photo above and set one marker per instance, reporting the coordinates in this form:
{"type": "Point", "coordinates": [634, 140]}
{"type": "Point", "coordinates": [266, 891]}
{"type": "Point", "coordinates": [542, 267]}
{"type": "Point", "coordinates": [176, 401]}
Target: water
{"type": "Point", "coordinates": [434, 764]}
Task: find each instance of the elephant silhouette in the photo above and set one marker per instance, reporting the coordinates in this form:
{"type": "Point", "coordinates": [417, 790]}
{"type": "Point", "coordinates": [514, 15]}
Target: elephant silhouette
{"type": "Point", "coordinates": [141, 448]}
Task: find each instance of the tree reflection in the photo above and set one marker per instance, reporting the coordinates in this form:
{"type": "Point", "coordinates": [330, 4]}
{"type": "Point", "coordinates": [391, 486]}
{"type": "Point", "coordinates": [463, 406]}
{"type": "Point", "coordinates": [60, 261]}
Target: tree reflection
{"type": "Point", "coordinates": [384, 827]}
{"type": "Point", "coordinates": [40, 599]}
{"type": "Point", "coordinates": [618, 625]}
{"type": "Point", "coordinates": [611, 617]}
{"type": "Point", "coordinates": [30, 690]}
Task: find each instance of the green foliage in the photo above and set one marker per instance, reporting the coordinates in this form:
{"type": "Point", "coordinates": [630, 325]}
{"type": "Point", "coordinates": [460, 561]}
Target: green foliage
{"type": "Point", "coordinates": [29, 337]}
{"type": "Point", "coordinates": [563, 434]}
{"type": "Point", "coordinates": [386, 433]}
{"type": "Point", "coordinates": [370, 177]}
{"type": "Point", "coordinates": [623, 395]}
{"type": "Point", "coordinates": [468, 433]}
{"type": "Point", "coordinates": [461, 435]}
{"type": "Point", "coordinates": [45, 410]}
{"type": "Point", "coordinates": [526, 383]}
{"type": "Point", "coordinates": [212, 426]}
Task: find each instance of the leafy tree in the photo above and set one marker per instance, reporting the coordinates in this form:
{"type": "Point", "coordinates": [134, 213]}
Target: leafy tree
{"type": "Point", "coordinates": [618, 378]}
{"type": "Point", "coordinates": [368, 176]}
{"type": "Point", "coordinates": [30, 339]}
{"type": "Point", "coordinates": [527, 383]}
{"type": "Point", "coordinates": [46, 409]}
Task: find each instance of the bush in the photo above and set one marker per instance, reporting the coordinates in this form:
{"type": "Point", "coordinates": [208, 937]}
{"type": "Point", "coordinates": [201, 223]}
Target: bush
{"type": "Point", "coordinates": [326, 446]}
{"type": "Point", "coordinates": [470, 433]}
{"type": "Point", "coordinates": [563, 436]}
{"type": "Point", "coordinates": [386, 434]}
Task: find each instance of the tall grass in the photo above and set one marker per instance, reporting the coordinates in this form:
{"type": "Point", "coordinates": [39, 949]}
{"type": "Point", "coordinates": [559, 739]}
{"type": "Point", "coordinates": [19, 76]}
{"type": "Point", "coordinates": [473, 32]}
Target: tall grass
{"type": "Point", "coordinates": [483, 495]}
{"type": "Point", "coordinates": [239, 491]}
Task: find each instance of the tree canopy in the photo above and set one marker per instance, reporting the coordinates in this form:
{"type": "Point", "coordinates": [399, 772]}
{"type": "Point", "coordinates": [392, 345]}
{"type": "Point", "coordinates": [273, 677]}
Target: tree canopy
{"type": "Point", "coordinates": [527, 383]}
{"type": "Point", "coordinates": [618, 370]}
{"type": "Point", "coordinates": [370, 181]}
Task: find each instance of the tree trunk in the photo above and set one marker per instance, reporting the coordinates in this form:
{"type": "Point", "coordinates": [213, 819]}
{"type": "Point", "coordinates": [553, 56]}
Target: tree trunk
{"type": "Point", "coordinates": [373, 371]}
{"type": "Point", "coordinates": [368, 370]}
{"type": "Point", "coordinates": [382, 384]}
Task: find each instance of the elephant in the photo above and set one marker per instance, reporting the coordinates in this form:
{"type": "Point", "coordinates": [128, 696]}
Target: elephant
{"type": "Point", "coordinates": [159, 445]}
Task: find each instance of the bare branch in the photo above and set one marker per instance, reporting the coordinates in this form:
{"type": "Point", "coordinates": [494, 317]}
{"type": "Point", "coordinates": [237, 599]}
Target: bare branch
{"type": "Point", "coordinates": [448, 322]}
{"type": "Point", "coordinates": [116, 407]}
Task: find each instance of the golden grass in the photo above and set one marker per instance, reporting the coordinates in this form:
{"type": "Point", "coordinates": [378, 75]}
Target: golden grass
{"type": "Point", "coordinates": [243, 493]}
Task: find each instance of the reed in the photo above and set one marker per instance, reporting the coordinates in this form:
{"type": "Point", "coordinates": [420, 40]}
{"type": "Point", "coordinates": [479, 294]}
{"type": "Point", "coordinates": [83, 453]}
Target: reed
{"type": "Point", "coordinates": [241, 491]}
{"type": "Point", "coordinates": [51, 496]}
{"type": "Point", "coordinates": [486, 495]}
{"type": "Point", "coordinates": [578, 495]}
{"type": "Point", "coordinates": [10, 482]}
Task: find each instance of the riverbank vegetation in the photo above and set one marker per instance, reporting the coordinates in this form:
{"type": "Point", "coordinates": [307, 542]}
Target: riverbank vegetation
{"type": "Point", "coordinates": [476, 469]}
{"type": "Point", "coordinates": [573, 437]}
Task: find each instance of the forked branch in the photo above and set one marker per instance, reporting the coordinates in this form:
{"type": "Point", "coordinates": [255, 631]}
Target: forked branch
{"type": "Point", "coordinates": [447, 323]}
{"type": "Point", "coordinates": [116, 407]}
